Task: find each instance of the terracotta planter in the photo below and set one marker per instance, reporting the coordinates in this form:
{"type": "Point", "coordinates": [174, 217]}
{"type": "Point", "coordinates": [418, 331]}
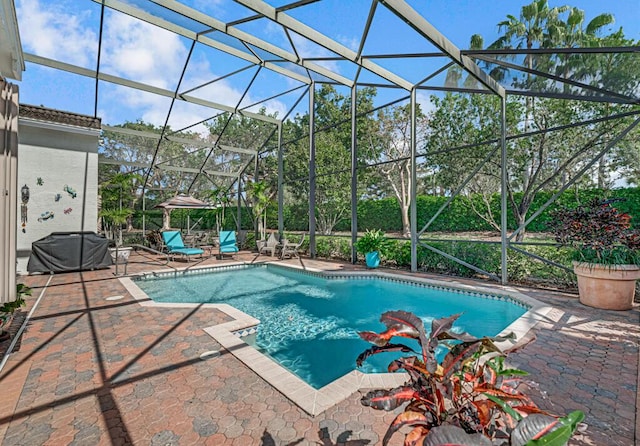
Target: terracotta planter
{"type": "Point", "coordinates": [610, 287]}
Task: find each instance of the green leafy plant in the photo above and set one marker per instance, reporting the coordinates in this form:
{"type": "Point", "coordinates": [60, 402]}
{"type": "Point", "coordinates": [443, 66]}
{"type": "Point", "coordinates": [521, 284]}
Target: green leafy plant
{"type": "Point", "coordinates": [9, 308]}
{"type": "Point", "coordinates": [372, 240]}
{"type": "Point", "coordinates": [599, 233]}
{"type": "Point", "coordinates": [21, 291]}
{"type": "Point", "coordinates": [472, 397]}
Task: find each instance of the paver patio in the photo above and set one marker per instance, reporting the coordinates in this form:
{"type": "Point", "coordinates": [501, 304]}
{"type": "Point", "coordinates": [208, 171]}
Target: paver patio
{"type": "Point", "coordinates": [92, 371]}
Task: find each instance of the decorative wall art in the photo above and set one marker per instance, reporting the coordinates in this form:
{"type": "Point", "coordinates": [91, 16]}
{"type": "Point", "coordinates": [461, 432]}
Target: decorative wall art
{"type": "Point", "coordinates": [67, 211]}
{"type": "Point", "coordinates": [48, 215]}
{"type": "Point", "coordinates": [40, 181]}
{"type": "Point", "coordinates": [57, 197]}
{"type": "Point", "coordinates": [71, 191]}
{"type": "Point", "coordinates": [24, 192]}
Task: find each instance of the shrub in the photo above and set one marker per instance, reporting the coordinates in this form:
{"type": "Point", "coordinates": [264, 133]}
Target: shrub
{"type": "Point", "coordinates": [599, 233]}
{"type": "Point", "coordinates": [471, 397]}
{"type": "Point", "coordinates": [332, 247]}
{"type": "Point", "coordinates": [371, 241]}
{"type": "Point", "coordinates": [21, 291]}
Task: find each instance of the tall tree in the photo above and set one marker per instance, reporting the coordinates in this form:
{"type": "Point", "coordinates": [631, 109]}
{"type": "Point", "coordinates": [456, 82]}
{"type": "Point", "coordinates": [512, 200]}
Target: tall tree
{"type": "Point", "coordinates": [129, 152]}
{"type": "Point", "coordinates": [532, 28]}
{"type": "Point", "coordinates": [391, 144]}
{"type": "Point", "coordinates": [333, 153]}
{"type": "Point", "coordinates": [261, 197]}
{"type": "Point", "coordinates": [545, 161]}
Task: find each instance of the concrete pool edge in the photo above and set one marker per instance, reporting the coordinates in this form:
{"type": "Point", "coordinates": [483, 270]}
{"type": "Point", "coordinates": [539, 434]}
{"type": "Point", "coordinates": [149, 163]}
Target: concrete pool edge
{"type": "Point", "coordinates": [315, 401]}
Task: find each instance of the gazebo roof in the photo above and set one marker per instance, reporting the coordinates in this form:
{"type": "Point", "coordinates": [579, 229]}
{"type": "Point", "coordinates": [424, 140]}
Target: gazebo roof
{"type": "Point", "coordinates": [183, 201]}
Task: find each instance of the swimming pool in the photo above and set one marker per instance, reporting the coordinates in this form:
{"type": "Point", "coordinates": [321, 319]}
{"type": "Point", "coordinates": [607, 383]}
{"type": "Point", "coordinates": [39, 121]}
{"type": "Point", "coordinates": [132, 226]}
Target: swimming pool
{"type": "Point", "coordinates": [309, 323]}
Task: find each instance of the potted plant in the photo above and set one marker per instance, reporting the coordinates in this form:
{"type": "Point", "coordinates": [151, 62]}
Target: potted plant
{"type": "Point", "coordinates": [8, 309]}
{"type": "Point", "coordinates": [470, 397]}
{"type": "Point", "coordinates": [154, 240]}
{"type": "Point", "coordinates": [371, 244]}
{"type": "Point", "coordinates": [606, 256]}
{"type": "Point", "coordinates": [114, 219]}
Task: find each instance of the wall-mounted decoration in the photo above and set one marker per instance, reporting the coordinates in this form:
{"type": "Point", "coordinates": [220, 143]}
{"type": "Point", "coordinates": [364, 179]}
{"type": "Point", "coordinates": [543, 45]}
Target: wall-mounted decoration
{"type": "Point", "coordinates": [58, 197]}
{"type": "Point", "coordinates": [24, 192]}
{"type": "Point", "coordinates": [71, 191]}
{"type": "Point", "coordinates": [40, 181]}
{"type": "Point", "coordinates": [48, 215]}
{"type": "Point", "coordinates": [67, 211]}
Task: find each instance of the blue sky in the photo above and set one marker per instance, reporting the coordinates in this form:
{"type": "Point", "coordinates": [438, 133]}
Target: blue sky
{"type": "Point", "coordinates": [67, 30]}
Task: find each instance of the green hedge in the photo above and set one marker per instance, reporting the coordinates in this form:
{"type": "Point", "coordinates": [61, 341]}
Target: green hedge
{"type": "Point", "coordinates": [179, 218]}
{"type": "Point", "coordinates": [459, 217]}
{"type": "Point", "coordinates": [384, 214]}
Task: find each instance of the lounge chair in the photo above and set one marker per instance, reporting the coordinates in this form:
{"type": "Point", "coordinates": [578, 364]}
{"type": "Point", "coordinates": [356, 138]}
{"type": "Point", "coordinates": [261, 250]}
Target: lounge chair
{"type": "Point", "coordinates": [270, 246]}
{"type": "Point", "coordinates": [175, 245]}
{"type": "Point", "coordinates": [291, 249]}
{"type": "Point", "coordinates": [228, 243]}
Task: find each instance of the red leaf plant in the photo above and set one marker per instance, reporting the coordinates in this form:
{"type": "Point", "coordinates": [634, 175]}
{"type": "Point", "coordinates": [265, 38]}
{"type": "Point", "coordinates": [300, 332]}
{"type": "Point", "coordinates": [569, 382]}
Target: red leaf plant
{"type": "Point", "coordinates": [471, 398]}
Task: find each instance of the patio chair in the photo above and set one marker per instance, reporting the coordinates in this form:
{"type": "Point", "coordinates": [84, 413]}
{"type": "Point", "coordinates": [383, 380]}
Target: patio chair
{"type": "Point", "coordinates": [291, 249]}
{"type": "Point", "coordinates": [270, 246]}
{"type": "Point", "coordinates": [175, 245]}
{"type": "Point", "coordinates": [228, 243]}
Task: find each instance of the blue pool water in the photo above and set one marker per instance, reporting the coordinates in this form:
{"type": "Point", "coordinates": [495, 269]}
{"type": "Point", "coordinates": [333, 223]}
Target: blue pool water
{"type": "Point", "coordinates": [309, 324]}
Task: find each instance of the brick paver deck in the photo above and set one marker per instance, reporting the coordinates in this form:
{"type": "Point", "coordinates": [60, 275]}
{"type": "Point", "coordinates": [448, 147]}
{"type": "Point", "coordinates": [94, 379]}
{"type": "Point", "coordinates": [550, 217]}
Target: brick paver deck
{"type": "Point", "coordinates": [95, 371]}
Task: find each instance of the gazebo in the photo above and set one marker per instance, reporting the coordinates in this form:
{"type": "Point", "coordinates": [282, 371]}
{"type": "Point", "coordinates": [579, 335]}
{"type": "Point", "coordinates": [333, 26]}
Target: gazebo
{"type": "Point", "coordinates": [180, 201]}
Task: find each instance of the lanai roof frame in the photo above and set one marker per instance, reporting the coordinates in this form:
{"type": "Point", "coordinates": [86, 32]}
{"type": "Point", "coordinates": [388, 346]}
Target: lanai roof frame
{"type": "Point", "coordinates": [309, 70]}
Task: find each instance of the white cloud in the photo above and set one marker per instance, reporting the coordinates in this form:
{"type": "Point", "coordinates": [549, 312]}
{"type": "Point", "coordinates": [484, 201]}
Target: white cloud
{"type": "Point", "coordinates": [272, 106]}
{"type": "Point", "coordinates": [142, 52]}
{"type": "Point", "coordinates": [307, 49]}
{"type": "Point", "coordinates": [49, 30]}
{"type": "Point", "coordinates": [134, 50]}
{"type": "Point", "coordinates": [424, 99]}
{"type": "Point", "coordinates": [151, 55]}
{"type": "Point", "coordinates": [352, 43]}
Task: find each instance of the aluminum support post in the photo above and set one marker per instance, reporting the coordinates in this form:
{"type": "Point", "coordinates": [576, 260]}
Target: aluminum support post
{"type": "Point", "coordinates": [239, 209]}
{"type": "Point", "coordinates": [504, 241]}
{"type": "Point", "coordinates": [280, 184]}
{"type": "Point", "coordinates": [312, 172]}
{"type": "Point", "coordinates": [413, 187]}
{"type": "Point", "coordinates": [354, 177]}
{"type": "Point", "coordinates": [144, 214]}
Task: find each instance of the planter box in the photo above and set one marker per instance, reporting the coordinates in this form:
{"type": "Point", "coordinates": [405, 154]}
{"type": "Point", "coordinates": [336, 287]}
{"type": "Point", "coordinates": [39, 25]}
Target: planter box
{"type": "Point", "coordinates": [123, 254]}
{"type": "Point", "coordinates": [609, 287]}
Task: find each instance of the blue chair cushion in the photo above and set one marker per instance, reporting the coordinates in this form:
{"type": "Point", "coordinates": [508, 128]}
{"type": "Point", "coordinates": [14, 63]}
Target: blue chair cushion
{"type": "Point", "coordinates": [186, 251]}
{"type": "Point", "coordinates": [173, 240]}
{"type": "Point", "coordinates": [228, 242]}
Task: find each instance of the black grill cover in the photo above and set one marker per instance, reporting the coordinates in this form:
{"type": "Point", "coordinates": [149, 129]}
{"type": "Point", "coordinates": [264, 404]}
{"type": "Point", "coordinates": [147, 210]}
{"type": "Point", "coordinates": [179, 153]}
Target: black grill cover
{"type": "Point", "coordinates": [69, 251]}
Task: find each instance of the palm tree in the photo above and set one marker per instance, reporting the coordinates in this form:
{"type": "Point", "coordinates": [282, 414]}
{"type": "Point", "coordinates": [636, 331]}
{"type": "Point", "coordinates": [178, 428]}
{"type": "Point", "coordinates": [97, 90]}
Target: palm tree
{"type": "Point", "coordinates": [532, 28]}
{"type": "Point", "coordinates": [573, 33]}
{"type": "Point", "coordinates": [220, 196]}
{"type": "Point", "coordinates": [259, 191]}
{"type": "Point", "coordinates": [118, 199]}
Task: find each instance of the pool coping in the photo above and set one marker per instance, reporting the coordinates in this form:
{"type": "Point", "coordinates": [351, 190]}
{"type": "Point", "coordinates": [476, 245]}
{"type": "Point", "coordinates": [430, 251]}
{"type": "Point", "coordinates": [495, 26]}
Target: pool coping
{"type": "Point", "coordinates": [315, 401]}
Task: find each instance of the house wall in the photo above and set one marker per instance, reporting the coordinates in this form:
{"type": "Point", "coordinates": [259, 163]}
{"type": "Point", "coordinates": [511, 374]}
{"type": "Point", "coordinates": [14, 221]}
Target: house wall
{"type": "Point", "coordinates": [59, 165]}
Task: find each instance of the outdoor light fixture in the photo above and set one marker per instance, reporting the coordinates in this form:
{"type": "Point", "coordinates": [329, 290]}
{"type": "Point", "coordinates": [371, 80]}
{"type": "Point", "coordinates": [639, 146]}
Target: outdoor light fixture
{"type": "Point", "coordinates": [24, 192]}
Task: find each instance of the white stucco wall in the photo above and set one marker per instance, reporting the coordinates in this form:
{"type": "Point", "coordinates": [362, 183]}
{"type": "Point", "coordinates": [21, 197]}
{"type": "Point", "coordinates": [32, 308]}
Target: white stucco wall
{"type": "Point", "coordinates": [64, 159]}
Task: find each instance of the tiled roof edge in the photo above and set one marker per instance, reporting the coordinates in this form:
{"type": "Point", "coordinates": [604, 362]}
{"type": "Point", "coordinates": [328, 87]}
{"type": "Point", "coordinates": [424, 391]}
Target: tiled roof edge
{"type": "Point", "coordinates": [58, 116]}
